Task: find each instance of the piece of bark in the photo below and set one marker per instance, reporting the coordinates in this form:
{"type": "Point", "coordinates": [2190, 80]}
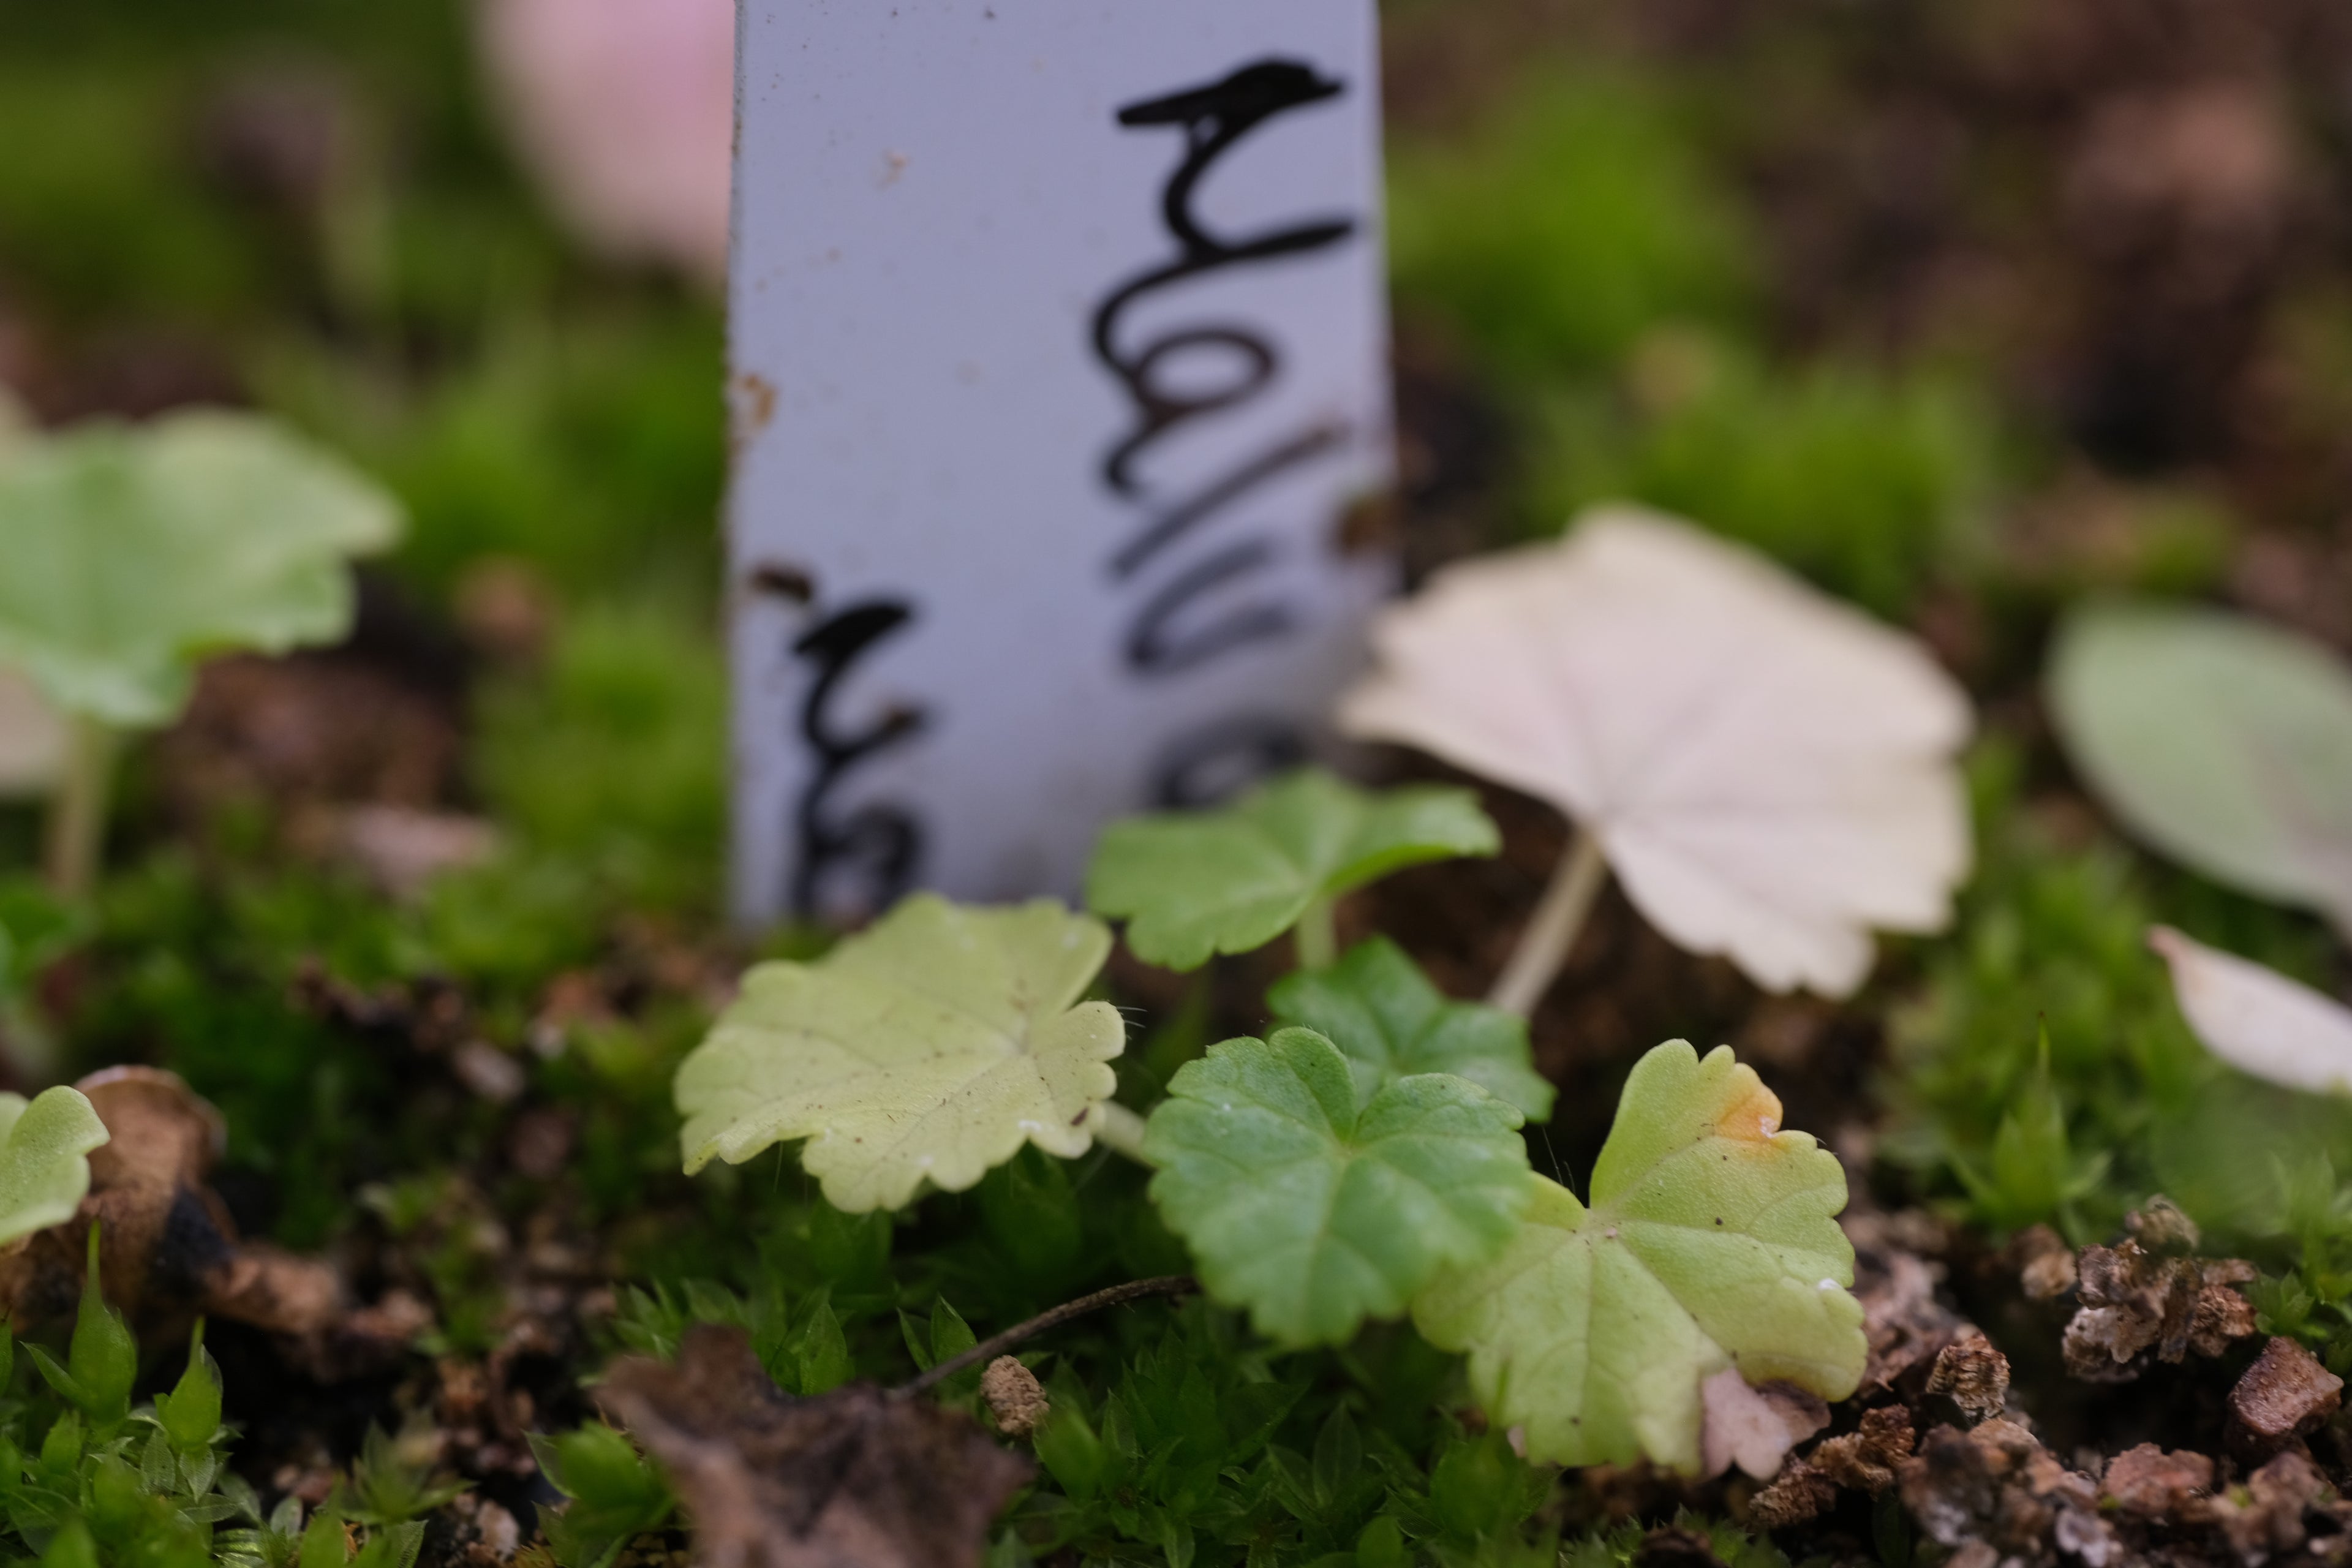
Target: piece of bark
{"type": "Point", "coordinates": [2223, 1314]}
{"type": "Point", "coordinates": [1904, 1325]}
{"type": "Point", "coordinates": [2149, 1483]}
{"type": "Point", "coordinates": [2045, 1264]}
{"type": "Point", "coordinates": [2137, 1308]}
{"type": "Point", "coordinates": [2264, 1518]}
{"type": "Point", "coordinates": [2284, 1395]}
{"type": "Point", "coordinates": [1972, 1374]}
{"type": "Point", "coordinates": [1995, 1486]}
{"type": "Point", "coordinates": [854, 1478]}
{"type": "Point", "coordinates": [1866, 1459]}
{"type": "Point", "coordinates": [1799, 1493]}
{"type": "Point", "coordinates": [1949, 1486]}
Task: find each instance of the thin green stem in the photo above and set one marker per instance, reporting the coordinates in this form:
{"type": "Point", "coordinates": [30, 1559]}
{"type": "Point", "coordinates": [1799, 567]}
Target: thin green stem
{"type": "Point", "coordinates": [77, 820]}
{"type": "Point", "coordinates": [1117, 1129]}
{"type": "Point", "coordinates": [1316, 939]}
{"type": "Point", "coordinates": [1552, 930]}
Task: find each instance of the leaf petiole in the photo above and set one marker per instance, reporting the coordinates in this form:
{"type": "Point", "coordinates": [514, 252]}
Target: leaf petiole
{"type": "Point", "coordinates": [77, 818]}
{"type": "Point", "coordinates": [1552, 931]}
{"type": "Point", "coordinates": [1316, 938]}
{"type": "Point", "coordinates": [1117, 1129]}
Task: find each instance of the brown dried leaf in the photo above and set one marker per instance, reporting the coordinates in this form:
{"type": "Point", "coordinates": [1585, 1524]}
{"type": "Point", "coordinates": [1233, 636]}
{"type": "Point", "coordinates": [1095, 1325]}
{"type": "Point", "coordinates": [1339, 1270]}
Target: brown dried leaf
{"type": "Point", "coordinates": [854, 1478]}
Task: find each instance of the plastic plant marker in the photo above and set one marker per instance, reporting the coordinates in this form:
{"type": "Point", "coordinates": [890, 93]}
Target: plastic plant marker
{"type": "Point", "coordinates": [1769, 771]}
{"type": "Point", "coordinates": [133, 551]}
{"type": "Point", "coordinates": [1058, 359]}
{"type": "Point", "coordinates": [2221, 741]}
{"type": "Point", "coordinates": [1191, 884]}
{"type": "Point", "coordinates": [1390, 1022]}
{"type": "Point", "coordinates": [1710, 1243]}
{"type": "Point", "coordinates": [927, 1048]}
{"type": "Point", "coordinates": [2258, 1020]}
{"type": "Point", "coordinates": [1313, 1214]}
{"type": "Point", "coordinates": [45, 1148]}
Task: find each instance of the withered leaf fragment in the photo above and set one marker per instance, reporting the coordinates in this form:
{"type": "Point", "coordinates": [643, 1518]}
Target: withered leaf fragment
{"type": "Point", "coordinates": [854, 1478]}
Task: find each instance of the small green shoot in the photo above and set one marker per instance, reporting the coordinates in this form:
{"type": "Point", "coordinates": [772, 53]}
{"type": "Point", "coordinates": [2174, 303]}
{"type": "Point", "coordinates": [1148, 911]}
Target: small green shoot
{"type": "Point", "coordinates": [927, 1048]}
{"type": "Point", "coordinates": [1710, 1241]}
{"type": "Point", "coordinates": [1191, 884]}
{"type": "Point", "coordinates": [615, 1495]}
{"type": "Point", "coordinates": [102, 1359]}
{"type": "Point", "coordinates": [1316, 1215]}
{"type": "Point", "coordinates": [393, 1482]}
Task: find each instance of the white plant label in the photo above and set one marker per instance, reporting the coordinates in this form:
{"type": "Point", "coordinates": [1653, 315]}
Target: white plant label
{"type": "Point", "coordinates": [1060, 359]}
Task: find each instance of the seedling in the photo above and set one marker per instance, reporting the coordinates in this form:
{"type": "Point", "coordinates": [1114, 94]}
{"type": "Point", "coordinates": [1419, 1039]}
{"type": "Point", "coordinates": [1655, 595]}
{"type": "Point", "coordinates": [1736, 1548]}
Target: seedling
{"type": "Point", "coordinates": [1316, 1215]}
{"type": "Point", "coordinates": [929, 1049]}
{"type": "Point", "coordinates": [1769, 770]}
{"type": "Point", "coordinates": [135, 552]}
{"type": "Point", "coordinates": [1319, 1182]}
{"type": "Point", "coordinates": [1710, 1242]}
{"type": "Point", "coordinates": [1191, 884]}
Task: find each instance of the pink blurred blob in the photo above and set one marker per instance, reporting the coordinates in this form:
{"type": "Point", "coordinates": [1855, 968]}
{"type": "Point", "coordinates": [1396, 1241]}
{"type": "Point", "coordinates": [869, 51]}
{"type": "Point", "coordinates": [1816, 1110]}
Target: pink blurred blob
{"type": "Point", "coordinates": [625, 111]}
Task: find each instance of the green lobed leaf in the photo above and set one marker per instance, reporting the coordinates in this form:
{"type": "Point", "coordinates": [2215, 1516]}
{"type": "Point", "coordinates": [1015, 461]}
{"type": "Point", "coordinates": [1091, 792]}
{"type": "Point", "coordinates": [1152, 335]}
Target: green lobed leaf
{"type": "Point", "coordinates": [1390, 1022]}
{"type": "Point", "coordinates": [1711, 1241]}
{"type": "Point", "coordinates": [1194, 883]}
{"type": "Point", "coordinates": [44, 1159]}
{"type": "Point", "coordinates": [927, 1048]}
{"type": "Point", "coordinates": [2222, 741]}
{"type": "Point", "coordinates": [1314, 1214]}
{"type": "Point", "coordinates": [134, 552]}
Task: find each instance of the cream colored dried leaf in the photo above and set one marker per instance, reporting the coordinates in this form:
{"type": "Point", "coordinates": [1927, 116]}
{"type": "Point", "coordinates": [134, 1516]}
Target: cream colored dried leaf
{"type": "Point", "coordinates": [927, 1048]}
{"type": "Point", "coordinates": [2258, 1020]}
{"type": "Point", "coordinates": [1769, 771]}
